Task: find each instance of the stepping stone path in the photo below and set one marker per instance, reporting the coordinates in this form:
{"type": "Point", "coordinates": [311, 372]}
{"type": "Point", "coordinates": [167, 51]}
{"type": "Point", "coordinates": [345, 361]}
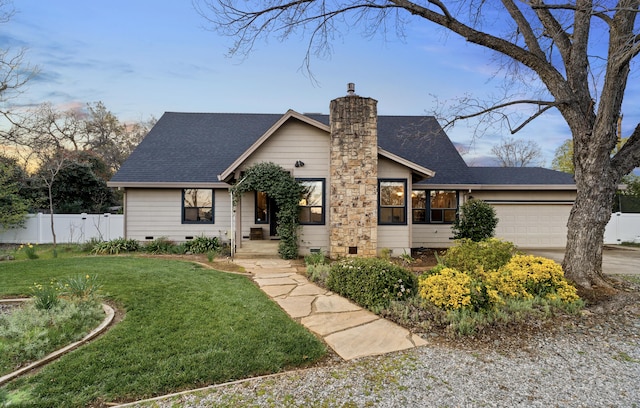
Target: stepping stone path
{"type": "Point", "coordinates": [346, 327]}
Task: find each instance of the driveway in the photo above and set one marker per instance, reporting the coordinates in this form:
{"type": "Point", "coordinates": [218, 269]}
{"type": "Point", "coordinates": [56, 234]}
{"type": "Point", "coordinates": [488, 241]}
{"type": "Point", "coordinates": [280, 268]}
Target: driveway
{"type": "Point", "coordinates": [616, 260]}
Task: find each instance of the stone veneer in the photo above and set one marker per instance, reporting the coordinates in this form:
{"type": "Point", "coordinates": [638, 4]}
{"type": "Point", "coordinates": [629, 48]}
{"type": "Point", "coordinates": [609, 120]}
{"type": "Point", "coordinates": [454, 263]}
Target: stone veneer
{"type": "Point", "coordinates": [353, 203]}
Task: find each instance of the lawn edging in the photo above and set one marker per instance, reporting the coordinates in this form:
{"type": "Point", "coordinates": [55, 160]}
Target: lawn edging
{"type": "Point", "coordinates": [110, 314]}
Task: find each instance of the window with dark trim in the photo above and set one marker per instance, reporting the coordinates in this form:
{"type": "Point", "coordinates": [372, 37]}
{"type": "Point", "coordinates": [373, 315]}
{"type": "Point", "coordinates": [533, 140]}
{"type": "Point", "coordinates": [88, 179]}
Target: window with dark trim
{"type": "Point", "coordinates": [197, 206]}
{"type": "Point", "coordinates": [392, 201]}
{"type": "Point", "coordinates": [262, 208]}
{"type": "Point", "coordinates": [434, 206]}
{"type": "Point", "coordinates": [312, 202]}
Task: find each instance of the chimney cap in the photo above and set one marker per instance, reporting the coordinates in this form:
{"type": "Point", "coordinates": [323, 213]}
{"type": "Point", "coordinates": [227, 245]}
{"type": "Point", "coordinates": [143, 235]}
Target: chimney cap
{"type": "Point", "coordinates": [351, 89]}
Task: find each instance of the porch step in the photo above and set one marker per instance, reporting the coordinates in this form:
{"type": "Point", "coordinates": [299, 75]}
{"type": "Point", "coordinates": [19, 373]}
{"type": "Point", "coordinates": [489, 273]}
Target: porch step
{"type": "Point", "coordinates": [265, 248]}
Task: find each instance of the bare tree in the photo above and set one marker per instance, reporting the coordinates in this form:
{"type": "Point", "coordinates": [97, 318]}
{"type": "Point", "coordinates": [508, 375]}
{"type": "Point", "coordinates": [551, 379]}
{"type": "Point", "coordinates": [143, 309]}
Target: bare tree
{"type": "Point", "coordinates": [55, 163]}
{"type": "Point", "coordinates": [512, 152]}
{"type": "Point", "coordinates": [541, 42]}
{"type": "Point", "coordinates": [14, 71]}
{"type": "Point", "coordinates": [46, 128]}
{"type": "Point", "coordinates": [111, 139]}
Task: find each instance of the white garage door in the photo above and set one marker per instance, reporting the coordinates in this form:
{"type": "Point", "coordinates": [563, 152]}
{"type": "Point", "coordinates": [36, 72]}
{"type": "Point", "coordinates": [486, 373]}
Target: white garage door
{"type": "Point", "coordinates": [540, 225]}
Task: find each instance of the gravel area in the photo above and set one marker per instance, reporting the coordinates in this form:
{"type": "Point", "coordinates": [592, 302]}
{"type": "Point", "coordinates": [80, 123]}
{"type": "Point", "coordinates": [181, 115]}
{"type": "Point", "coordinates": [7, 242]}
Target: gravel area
{"type": "Point", "coordinates": [591, 362]}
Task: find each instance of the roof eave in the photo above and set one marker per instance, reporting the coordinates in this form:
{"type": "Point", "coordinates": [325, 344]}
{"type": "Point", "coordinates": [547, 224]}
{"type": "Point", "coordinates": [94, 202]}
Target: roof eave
{"type": "Point", "coordinates": [415, 168]}
{"type": "Point", "coordinates": [551, 187]}
{"type": "Point", "coordinates": [172, 184]}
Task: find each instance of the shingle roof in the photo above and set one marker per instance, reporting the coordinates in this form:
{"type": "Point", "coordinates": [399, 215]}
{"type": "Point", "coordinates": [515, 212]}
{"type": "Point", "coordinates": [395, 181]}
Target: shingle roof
{"type": "Point", "coordinates": [197, 147]}
{"type": "Point", "coordinates": [192, 147]}
{"type": "Point", "coordinates": [519, 175]}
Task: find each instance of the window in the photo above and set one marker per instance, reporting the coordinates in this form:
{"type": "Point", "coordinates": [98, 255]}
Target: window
{"type": "Point", "coordinates": [197, 206]}
{"type": "Point", "coordinates": [434, 206]}
{"type": "Point", "coordinates": [392, 207]}
{"type": "Point", "coordinates": [262, 208]}
{"type": "Point", "coordinates": [312, 202]}
{"type": "Point", "coordinates": [419, 206]}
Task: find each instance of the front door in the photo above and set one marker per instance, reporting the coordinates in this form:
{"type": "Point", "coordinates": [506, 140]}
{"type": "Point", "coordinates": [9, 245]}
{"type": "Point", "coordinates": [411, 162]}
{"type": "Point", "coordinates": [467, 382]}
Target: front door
{"type": "Point", "coordinates": [273, 217]}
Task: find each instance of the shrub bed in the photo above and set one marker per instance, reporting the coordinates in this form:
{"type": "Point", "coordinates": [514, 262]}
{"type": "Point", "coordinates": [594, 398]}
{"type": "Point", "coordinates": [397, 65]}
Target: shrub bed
{"type": "Point", "coordinates": [199, 245]}
{"type": "Point", "coordinates": [476, 285]}
{"type": "Point", "coordinates": [58, 314]}
{"type": "Point", "coordinates": [481, 283]}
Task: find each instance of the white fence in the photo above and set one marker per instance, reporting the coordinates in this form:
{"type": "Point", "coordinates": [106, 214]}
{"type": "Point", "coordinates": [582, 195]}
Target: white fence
{"type": "Point", "coordinates": [70, 228]}
{"type": "Point", "coordinates": [622, 228]}
{"type": "Point", "coordinates": [79, 228]}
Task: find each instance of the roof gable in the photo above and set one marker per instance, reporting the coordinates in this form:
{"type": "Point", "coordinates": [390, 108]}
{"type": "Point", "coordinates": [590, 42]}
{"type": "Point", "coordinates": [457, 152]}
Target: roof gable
{"type": "Point", "coordinates": [228, 172]}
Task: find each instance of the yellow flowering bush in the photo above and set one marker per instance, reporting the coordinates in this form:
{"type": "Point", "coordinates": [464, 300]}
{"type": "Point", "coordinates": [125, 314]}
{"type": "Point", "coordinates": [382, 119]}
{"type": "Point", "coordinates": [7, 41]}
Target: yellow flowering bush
{"type": "Point", "coordinates": [448, 289]}
{"type": "Point", "coordinates": [523, 277]}
{"type": "Point", "coordinates": [528, 276]}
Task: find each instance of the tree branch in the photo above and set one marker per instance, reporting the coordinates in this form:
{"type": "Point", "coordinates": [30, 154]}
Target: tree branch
{"type": "Point", "coordinates": [525, 28]}
{"type": "Point", "coordinates": [627, 158]}
{"type": "Point", "coordinates": [554, 29]}
{"type": "Point", "coordinates": [547, 105]}
{"type": "Point", "coordinates": [600, 14]}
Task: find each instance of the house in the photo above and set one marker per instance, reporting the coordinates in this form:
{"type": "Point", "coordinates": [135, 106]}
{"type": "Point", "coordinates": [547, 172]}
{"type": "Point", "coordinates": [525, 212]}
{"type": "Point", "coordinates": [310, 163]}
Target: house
{"type": "Point", "coordinates": [377, 182]}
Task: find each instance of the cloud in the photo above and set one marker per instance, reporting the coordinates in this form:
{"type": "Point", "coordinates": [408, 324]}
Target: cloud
{"type": "Point", "coordinates": [9, 41]}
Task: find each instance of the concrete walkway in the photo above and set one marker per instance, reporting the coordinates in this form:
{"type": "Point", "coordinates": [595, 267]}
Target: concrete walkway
{"type": "Point", "coordinates": [348, 329]}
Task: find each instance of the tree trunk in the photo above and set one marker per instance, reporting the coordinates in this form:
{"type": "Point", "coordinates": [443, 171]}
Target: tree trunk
{"type": "Point", "coordinates": [585, 237]}
{"type": "Point", "coordinates": [53, 230]}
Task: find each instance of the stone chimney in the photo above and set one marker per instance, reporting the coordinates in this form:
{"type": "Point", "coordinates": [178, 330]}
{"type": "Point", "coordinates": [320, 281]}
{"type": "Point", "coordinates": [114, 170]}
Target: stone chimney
{"type": "Point", "coordinates": [353, 209]}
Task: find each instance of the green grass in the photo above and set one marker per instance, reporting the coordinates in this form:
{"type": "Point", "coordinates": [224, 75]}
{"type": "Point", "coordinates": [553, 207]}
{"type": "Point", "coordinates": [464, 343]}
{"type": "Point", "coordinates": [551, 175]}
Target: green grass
{"type": "Point", "coordinates": [185, 327]}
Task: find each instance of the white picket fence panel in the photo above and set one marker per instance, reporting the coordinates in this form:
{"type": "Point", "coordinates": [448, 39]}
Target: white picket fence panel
{"type": "Point", "coordinates": [70, 228]}
{"type": "Point", "coordinates": [622, 228]}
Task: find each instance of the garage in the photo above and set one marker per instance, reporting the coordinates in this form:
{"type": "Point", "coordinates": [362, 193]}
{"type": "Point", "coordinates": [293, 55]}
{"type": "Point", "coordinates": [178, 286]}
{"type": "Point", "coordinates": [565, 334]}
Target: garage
{"type": "Point", "coordinates": [533, 224]}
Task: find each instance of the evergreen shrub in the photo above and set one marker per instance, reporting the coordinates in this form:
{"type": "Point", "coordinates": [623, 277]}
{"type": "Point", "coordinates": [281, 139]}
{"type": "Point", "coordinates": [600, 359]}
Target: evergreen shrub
{"type": "Point", "coordinates": [476, 221]}
{"type": "Point", "coordinates": [371, 282]}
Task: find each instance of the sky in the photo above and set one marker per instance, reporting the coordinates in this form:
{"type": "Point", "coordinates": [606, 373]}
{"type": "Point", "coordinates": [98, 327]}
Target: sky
{"type": "Point", "coordinates": [145, 57]}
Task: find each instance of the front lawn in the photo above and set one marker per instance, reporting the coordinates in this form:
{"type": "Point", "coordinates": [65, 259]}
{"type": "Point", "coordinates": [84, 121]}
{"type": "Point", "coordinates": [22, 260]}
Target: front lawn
{"type": "Point", "coordinates": [185, 327]}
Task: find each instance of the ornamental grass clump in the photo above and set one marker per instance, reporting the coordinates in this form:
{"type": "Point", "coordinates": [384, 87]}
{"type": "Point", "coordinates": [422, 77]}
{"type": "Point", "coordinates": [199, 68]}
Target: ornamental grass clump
{"type": "Point", "coordinates": [116, 246]}
{"type": "Point", "coordinates": [29, 250]}
{"type": "Point", "coordinates": [202, 244]}
{"type": "Point", "coordinates": [371, 282]}
{"type": "Point", "coordinates": [45, 297]}
{"type": "Point", "coordinates": [161, 245]}
{"type": "Point", "coordinates": [81, 288]}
